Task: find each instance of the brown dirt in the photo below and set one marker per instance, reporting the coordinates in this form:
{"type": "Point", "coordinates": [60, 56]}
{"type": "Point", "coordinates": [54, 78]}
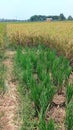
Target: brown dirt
{"type": "Point", "coordinates": [57, 111]}
{"type": "Point", "coordinates": [58, 115]}
{"type": "Point", "coordinates": [9, 117]}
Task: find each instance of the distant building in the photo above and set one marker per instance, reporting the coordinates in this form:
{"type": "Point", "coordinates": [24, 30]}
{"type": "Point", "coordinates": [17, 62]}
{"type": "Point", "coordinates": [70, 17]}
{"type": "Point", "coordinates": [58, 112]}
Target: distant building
{"type": "Point", "coordinates": [49, 19]}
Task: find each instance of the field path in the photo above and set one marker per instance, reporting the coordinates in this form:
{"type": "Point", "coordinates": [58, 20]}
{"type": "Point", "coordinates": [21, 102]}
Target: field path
{"type": "Point", "coordinates": [9, 117]}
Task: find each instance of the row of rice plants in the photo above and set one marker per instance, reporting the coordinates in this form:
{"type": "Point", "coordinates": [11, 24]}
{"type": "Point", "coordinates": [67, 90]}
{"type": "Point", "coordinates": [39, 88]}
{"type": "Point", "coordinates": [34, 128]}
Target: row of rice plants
{"type": "Point", "coordinates": [69, 107]}
{"type": "Point", "coordinates": [2, 71]}
{"type": "Point", "coordinates": [44, 74]}
{"type": "Point", "coordinates": [2, 67]}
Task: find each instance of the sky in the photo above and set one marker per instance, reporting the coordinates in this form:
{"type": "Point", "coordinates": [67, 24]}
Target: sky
{"type": "Point", "coordinates": [24, 9]}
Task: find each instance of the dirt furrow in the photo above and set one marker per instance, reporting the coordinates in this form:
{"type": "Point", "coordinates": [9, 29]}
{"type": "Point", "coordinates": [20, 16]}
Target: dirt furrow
{"type": "Point", "coordinates": [9, 119]}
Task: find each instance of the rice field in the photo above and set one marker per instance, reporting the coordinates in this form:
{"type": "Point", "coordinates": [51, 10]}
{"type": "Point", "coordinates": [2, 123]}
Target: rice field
{"type": "Point", "coordinates": [58, 35]}
{"type": "Point", "coordinates": [42, 55]}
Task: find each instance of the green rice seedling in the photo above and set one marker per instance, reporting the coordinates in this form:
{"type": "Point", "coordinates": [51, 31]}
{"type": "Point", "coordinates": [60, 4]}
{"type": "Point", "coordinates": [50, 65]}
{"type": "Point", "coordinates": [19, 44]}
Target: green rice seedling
{"type": "Point", "coordinates": [46, 97]}
{"type": "Point", "coordinates": [41, 71]}
{"type": "Point", "coordinates": [57, 74]}
{"type": "Point", "coordinates": [2, 83]}
{"type": "Point", "coordinates": [65, 68]}
{"type": "Point", "coordinates": [69, 92]}
{"type": "Point", "coordinates": [51, 125]}
{"type": "Point", "coordinates": [26, 76]}
{"type": "Point", "coordinates": [51, 55]}
{"type": "Point", "coordinates": [69, 115]}
{"type": "Point", "coordinates": [2, 72]}
{"type": "Point", "coordinates": [46, 80]}
{"type": "Point", "coordinates": [33, 58]}
{"type": "Point", "coordinates": [43, 125]}
{"type": "Point", "coordinates": [18, 54]}
{"type": "Point", "coordinates": [35, 94]}
{"type": "Point", "coordinates": [60, 72]}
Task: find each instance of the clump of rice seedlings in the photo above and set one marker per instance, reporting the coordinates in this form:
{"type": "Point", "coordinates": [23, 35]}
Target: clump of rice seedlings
{"type": "Point", "coordinates": [69, 92]}
{"type": "Point", "coordinates": [51, 125]}
{"type": "Point", "coordinates": [2, 72]}
{"type": "Point", "coordinates": [60, 72]}
{"type": "Point", "coordinates": [43, 73]}
{"type": "Point", "coordinates": [2, 82]}
{"type": "Point", "coordinates": [46, 126]}
{"type": "Point", "coordinates": [69, 115]}
{"type": "Point", "coordinates": [46, 98]}
{"type": "Point", "coordinates": [35, 93]}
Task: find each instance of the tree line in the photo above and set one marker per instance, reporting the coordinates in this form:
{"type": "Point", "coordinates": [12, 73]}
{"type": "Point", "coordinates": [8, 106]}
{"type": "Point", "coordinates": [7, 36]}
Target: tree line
{"type": "Point", "coordinates": [35, 18]}
{"type": "Point", "coordinates": [61, 17]}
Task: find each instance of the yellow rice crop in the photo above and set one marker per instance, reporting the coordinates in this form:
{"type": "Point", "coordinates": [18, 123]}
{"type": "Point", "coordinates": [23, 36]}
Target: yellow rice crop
{"type": "Point", "coordinates": [58, 35]}
{"type": "Point", "coordinates": [2, 34]}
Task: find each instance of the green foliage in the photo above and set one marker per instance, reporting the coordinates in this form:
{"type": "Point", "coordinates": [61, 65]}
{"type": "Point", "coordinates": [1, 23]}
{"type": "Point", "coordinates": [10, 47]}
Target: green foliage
{"type": "Point", "coordinates": [69, 17]}
{"type": "Point", "coordinates": [69, 115]}
{"type": "Point", "coordinates": [42, 72]}
{"type": "Point", "coordinates": [60, 72]}
{"type": "Point", "coordinates": [46, 126]}
{"type": "Point", "coordinates": [35, 93]}
{"type": "Point", "coordinates": [26, 111]}
{"type": "Point", "coordinates": [43, 18]}
{"type": "Point", "coordinates": [2, 70]}
{"type": "Point", "coordinates": [69, 92]}
{"type": "Point", "coordinates": [62, 17]}
{"type": "Point", "coordinates": [46, 98]}
{"type": "Point", "coordinates": [51, 125]}
{"type": "Point", "coordinates": [2, 83]}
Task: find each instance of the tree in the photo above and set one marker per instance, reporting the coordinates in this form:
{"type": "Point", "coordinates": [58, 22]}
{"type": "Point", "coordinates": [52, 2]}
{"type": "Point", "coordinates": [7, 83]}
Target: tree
{"type": "Point", "coordinates": [62, 17]}
{"type": "Point", "coordinates": [38, 18]}
{"type": "Point", "coordinates": [70, 17]}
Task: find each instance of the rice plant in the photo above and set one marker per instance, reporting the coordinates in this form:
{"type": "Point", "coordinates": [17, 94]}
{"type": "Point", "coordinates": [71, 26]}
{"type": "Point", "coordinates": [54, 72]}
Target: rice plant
{"type": "Point", "coordinates": [69, 92]}
{"type": "Point", "coordinates": [46, 98]}
{"type": "Point", "coordinates": [69, 115]}
{"type": "Point", "coordinates": [2, 72]}
{"type": "Point", "coordinates": [60, 72]}
{"type": "Point", "coordinates": [46, 126]}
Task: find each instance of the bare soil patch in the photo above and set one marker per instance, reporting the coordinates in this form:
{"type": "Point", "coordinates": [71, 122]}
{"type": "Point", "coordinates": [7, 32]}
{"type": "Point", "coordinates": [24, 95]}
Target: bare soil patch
{"type": "Point", "coordinates": [9, 117]}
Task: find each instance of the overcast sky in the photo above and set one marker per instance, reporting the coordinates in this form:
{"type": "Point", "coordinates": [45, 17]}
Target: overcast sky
{"type": "Point", "coordinates": [24, 9]}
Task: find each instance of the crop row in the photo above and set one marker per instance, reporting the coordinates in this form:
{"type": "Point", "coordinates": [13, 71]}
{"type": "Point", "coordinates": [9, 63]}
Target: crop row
{"type": "Point", "coordinates": [2, 75]}
{"type": "Point", "coordinates": [2, 67]}
{"type": "Point", "coordinates": [44, 74]}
